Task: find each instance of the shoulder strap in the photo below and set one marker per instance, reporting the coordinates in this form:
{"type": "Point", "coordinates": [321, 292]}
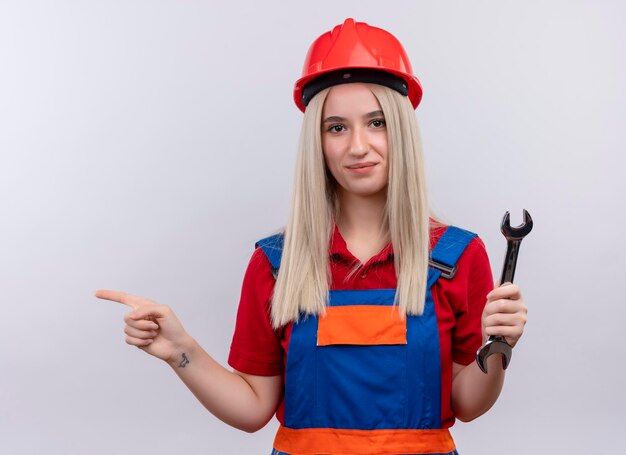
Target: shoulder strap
{"type": "Point", "coordinates": [443, 257]}
{"type": "Point", "coordinates": [272, 247]}
{"type": "Point", "coordinates": [446, 253]}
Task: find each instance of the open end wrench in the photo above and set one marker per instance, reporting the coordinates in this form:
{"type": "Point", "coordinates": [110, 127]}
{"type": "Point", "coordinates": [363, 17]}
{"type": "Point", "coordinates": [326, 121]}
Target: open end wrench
{"type": "Point", "coordinates": [514, 236]}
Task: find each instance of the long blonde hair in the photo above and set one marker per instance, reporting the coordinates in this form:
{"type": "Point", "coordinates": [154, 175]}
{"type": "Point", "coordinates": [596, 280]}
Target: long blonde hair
{"type": "Point", "coordinates": [304, 276]}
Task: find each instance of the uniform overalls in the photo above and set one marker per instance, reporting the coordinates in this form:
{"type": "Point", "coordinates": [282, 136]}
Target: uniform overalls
{"type": "Point", "coordinates": [361, 380]}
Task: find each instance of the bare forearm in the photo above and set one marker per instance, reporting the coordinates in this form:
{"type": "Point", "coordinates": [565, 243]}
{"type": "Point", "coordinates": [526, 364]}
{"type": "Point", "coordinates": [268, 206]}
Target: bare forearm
{"type": "Point", "coordinates": [474, 392]}
{"type": "Point", "coordinates": [224, 393]}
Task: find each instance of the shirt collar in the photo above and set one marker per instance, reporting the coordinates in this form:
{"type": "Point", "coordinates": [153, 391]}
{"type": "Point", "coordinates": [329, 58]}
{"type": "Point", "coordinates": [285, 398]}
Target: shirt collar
{"type": "Point", "coordinates": [339, 250]}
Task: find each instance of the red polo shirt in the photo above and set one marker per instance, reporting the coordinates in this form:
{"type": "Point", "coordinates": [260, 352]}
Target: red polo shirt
{"type": "Point", "coordinates": [260, 350]}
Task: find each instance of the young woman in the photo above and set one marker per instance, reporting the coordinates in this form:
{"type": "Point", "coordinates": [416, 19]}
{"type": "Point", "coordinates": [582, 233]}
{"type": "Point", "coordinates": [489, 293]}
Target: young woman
{"type": "Point", "coordinates": [358, 325]}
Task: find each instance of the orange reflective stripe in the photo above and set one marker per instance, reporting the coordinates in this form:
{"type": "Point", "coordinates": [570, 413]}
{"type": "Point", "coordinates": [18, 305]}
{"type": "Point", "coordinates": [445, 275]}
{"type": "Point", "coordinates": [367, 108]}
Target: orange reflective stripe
{"type": "Point", "coordinates": [361, 324]}
{"type": "Point", "coordinates": [314, 441]}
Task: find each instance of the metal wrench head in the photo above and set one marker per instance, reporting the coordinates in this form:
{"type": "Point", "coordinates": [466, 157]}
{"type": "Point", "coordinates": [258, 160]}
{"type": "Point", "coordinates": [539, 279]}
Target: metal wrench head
{"type": "Point", "coordinates": [495, 345]}
{"type": "Point", "coordinates": [519, 232]}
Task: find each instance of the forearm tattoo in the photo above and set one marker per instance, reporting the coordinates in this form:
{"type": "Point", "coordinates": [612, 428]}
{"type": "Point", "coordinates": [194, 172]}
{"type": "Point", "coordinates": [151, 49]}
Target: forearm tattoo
{"type": "Point", "coordinates": [183, 362]}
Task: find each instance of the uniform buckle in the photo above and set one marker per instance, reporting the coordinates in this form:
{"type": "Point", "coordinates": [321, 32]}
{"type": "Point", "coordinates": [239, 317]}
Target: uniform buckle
{"type": "Point", "coordinates": [447, 272]}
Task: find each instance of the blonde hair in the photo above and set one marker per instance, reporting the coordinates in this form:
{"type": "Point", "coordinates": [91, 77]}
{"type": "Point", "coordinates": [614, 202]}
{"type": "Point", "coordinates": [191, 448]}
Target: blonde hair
{"type": "Point", "coordinates": [304, 276]}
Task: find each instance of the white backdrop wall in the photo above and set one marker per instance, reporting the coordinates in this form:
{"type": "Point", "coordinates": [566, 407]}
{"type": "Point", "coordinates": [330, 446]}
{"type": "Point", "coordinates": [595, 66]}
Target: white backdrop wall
{"type": "Point", "coordinates": [145, 146]}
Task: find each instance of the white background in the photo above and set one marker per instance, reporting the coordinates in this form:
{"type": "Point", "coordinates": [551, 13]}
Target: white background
{"type": "Point", "coordinates": [145, 146]}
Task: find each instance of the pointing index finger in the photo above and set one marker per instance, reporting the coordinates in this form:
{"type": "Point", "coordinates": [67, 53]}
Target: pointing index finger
{"type": "Point", "coordinates": [132, 301]}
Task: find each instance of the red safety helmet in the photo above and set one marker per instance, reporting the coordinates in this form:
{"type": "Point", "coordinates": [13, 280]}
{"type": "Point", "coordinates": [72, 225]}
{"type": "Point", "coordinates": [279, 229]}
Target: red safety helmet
{"type": "Point", "coordinates": [357, 45]}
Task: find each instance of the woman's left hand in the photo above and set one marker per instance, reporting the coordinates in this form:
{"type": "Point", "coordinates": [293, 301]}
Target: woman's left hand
{"type": "Point", "coordinates": [505, 313]}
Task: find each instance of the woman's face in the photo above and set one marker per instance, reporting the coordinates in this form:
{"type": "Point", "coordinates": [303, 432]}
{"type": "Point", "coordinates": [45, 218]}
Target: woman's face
{"type": "Point", "coordinates": [354, 139]}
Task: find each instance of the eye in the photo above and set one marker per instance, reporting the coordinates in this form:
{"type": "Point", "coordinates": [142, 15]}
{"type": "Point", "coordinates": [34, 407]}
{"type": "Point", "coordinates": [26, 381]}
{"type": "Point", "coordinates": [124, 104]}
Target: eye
{"type": "Point", "coordinates": [336, 128]}
{"type": "Point", "coordinates": [378, 123]}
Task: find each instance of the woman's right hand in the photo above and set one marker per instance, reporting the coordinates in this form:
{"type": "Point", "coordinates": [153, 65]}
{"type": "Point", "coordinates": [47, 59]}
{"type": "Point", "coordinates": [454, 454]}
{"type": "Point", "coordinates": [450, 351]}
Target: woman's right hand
{"type": "Point", "coordinates": [152, 327]}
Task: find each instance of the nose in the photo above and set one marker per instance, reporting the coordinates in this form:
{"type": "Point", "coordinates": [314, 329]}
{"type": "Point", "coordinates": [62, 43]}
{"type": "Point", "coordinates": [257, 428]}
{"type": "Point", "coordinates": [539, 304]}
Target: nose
{"type": "Point", "coordinates": [359, 144]}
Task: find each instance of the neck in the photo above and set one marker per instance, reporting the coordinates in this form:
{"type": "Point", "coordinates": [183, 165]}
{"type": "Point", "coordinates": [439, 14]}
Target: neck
{"type": "Point", "coordinates": [362, 217]}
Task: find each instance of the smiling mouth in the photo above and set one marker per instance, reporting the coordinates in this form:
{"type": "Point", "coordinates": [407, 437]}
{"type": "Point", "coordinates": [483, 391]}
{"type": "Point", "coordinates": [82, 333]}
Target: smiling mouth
{"type": "Point", "coordinates": [361, 165]}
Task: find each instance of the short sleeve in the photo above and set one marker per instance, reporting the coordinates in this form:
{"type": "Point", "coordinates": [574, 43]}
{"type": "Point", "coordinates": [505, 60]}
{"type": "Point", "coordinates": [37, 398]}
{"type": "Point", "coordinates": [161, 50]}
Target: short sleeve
{"type": "Point", "coordinates": [256, 348]}
{"type": "Point", "coordinates": [467, 335]}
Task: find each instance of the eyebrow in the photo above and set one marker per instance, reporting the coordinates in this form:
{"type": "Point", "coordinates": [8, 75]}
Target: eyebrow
{"type": "Point", "coordinates": [369, 115]}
